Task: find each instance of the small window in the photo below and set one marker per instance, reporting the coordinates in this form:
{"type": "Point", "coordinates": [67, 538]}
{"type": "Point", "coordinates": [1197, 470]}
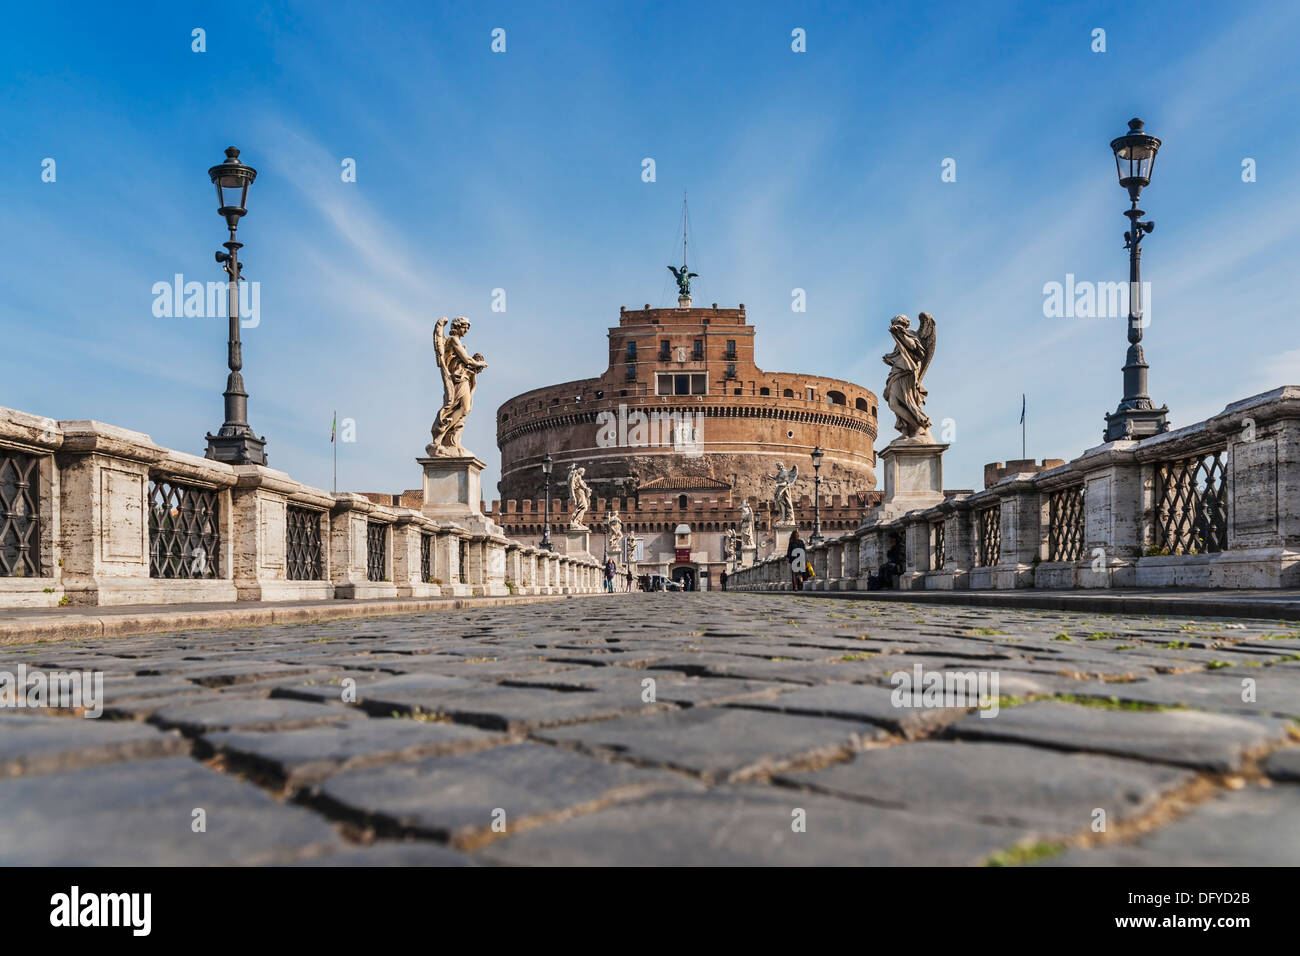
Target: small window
{"type": "Point", "coordinates": [788, 393]}
{"type": "Point", "coordinates": [697, 352]}
{"type": "Point", "coordinates": [861, 405]}
{"type": "Point", "coordinates": [682, 502]}
{"type": "Point", "coordinates": [631, 351]}
{"type": "Point", "coordinates": [665, 348]}
{"type": "Point", "coordinates": [731, 348]}
{"type": "Point", "coordinates": [765, 391]}
{"type": "Point", "coordinates": [739, 391]}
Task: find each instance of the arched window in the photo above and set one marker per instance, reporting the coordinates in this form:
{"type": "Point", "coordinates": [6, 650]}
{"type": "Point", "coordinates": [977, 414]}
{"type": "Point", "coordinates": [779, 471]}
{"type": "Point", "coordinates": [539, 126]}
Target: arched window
{"type": "Point", "coordinates": [788, 393]}
{"type": "Point", "coordinates": [836, 398]}
{"type": "Point", "coordinates": [862, 405]}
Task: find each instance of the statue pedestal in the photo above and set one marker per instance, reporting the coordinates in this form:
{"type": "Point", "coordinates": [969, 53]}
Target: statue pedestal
{"type": "Point", "coordinates": [683, 302]}
{"type": "Point", "coordinates": [748, 555]}
{"type": "Point", "coordinates": [577, 543]}
{"type": "Point", "coordinates": [782, 531]}
{"type": "Point", "coordinates": [913, 471]}
{"type": "Point", "coordinates": [452, 492]}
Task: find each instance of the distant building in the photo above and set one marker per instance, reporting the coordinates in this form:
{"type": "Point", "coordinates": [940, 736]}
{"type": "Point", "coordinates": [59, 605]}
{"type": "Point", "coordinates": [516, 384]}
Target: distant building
{"type": "Point", "coordinates": [679, 429]}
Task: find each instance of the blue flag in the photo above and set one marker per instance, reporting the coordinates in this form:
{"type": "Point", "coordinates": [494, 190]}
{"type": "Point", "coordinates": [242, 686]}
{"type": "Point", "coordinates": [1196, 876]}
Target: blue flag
{"type": "Point", "coordinates": [1022, 408]}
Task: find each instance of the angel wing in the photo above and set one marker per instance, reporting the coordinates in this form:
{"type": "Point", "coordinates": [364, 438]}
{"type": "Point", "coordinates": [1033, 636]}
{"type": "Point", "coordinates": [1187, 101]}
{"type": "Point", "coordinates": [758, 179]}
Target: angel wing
{"type": "Point", "coordinates": [925, 332]}
{"type": "Point", "coordinates": [440, 351]}
{"type": "Point", "coordinates": [794, 473]}
{"type": "Point", "coordinates": [692, 275]}
{"type": "Point", "coordinates": [675, 271]}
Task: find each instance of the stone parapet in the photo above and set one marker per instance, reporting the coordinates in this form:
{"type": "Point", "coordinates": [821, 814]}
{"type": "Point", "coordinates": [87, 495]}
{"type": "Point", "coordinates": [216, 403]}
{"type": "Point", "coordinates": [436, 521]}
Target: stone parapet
{"type": "Point", "coordinates": [1204, 506]}
{"type": "Point", "coordinates": [104, 516]}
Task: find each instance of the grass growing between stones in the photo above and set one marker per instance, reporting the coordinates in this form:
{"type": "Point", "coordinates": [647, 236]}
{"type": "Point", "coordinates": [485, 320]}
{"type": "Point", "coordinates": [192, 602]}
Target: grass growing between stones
{"type": "Point", "coordinates": [1114, 703]}
{"type": "Point", "coordinates": [1026, 854]}
{"type": "Point", "coordinates": [985, 631]}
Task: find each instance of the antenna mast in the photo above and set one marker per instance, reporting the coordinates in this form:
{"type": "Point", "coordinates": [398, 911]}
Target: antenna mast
{"type": "Point", "coordinates": [684, 225]}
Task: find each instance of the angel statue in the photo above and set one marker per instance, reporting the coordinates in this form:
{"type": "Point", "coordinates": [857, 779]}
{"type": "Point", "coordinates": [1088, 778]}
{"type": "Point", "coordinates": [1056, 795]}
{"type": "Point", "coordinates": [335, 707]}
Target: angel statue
{"type": "Point", "coordinates": [579, 498]}
{"type": "Point", "coordinates": [614, 532]}
{"type": "Point", "coordinates": [683, 280]}
{"type": "Point", "coordinates": [459, 379]}
{"type": "Point", "coordinates": [783, 500]}
{"type": "Point", "coordinates": [907, 364]}
{"type": "Point", "coordinates": [746, 525]}
{"type": "Point", "coordinates": [729, 545]}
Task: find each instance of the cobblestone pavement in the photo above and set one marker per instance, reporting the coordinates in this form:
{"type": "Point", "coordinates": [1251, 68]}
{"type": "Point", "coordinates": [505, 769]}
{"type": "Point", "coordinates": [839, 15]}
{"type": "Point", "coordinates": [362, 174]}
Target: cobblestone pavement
{"type": "Point", "coordinates": [666, 729]}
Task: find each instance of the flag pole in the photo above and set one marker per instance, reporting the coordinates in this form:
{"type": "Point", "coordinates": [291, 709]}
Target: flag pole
{"type": "Point", "coordinates": [1022, 426]}
{"type": "Point", "coordinates": [335, 443]}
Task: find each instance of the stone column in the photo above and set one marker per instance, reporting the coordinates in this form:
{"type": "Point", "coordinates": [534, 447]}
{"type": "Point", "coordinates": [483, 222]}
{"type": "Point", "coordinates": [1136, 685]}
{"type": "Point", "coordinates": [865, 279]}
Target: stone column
{"type": "Point", "coordinates": [1021, 545]}
{"type": "Point", "coordinates": [1114, 501]}
{"type": "Point", "coordinates": [104, 502]}
{"type": "Point", "coordinates": [349, 550]}
{"type": "Point", "coordinates": [408, 532]}
{"type": "Point", "coordinates": [849, 571]}
{"type": "Point", "coordinates": [260, 505]}
{"type": "Point", "coordinates": [915, 537]}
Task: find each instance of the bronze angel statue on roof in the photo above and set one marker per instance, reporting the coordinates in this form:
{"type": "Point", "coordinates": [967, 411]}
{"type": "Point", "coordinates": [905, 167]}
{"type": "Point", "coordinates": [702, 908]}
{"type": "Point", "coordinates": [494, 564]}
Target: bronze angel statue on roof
{"type": "Point", "coordinates": [683, 280]}
{"type": "Point", "coordinates": [904, 392]}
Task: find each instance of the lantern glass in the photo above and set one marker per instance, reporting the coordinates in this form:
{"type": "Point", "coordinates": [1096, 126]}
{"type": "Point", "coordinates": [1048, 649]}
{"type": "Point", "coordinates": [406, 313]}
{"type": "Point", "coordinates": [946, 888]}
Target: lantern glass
{"type": "Point", "coordinates": [817, 457]}
{"type": "Point", "coordinates": [546, 465]}
{"type": "Point", "coordinates": [232, 179]}
{"type": "Point", "coordinates": [1135, 156]}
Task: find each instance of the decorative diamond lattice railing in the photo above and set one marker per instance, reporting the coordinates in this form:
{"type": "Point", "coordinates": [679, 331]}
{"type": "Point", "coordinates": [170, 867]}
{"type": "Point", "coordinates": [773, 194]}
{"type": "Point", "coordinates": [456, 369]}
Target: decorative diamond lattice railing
{"type": "Point", "coordinates": [376, 550]}
{"type": "Point", "coordinates": [1065, 538]}
{"type": "Point", "coordinates": [1192, 504]}
{"type": "Point", "coordinates": [426, 558]}
{"type": "Point", "coordinates": [302, 544]}
{"type": "Point", "coordinates": [20, 526]}
{"type": "Point", "coordinates": [989, 547]}
{"type": "Point", "coordinates": [184, 530]}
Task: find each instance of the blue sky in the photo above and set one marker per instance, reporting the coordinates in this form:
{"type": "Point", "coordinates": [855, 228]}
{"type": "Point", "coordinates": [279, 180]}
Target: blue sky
{"type": "Point", "coordinates": [522, 171]}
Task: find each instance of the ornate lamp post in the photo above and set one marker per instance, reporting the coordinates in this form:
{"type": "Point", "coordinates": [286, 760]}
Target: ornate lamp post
{"type": "Point", "coordinates": [816, 537]}
{"type": "Point", "coordinates": [1136, 417]}
{"type": "Point", "coordinates": [235, 443]}
{"type": "Point", "coordinates": [546, 529]}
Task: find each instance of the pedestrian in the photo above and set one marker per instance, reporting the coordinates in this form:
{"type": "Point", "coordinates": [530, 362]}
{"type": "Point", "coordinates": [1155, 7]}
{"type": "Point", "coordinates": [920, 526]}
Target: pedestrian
{"type": "Point", "coordinates": [798, 557]}
{"type": "Point", "coordinates": [884, 580]}
{"type": "Point", "coordinates": [628, 588]}
{"type": "Point", "coordinates": [609, 575]}
{"type": "Point", "coordinates": [724, 579]}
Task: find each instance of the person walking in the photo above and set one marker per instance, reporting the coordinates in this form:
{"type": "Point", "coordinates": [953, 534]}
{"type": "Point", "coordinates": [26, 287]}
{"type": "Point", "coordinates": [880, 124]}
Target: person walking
{"type": "Point", "coordinates": [796, 554]}
{"type": "Point", "coordinates": [724, 579]}
{"type": "Point", "coordinates": [609, 575]}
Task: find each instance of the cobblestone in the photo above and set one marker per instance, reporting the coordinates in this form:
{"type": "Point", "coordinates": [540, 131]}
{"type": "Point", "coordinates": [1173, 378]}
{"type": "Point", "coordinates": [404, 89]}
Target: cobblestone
{"type": "Point", "coordinates": [664, 729]}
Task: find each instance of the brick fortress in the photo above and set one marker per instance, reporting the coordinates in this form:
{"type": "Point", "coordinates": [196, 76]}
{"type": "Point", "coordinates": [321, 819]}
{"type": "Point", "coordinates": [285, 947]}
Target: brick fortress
{"type": "Point", "coordinates": [679, 429]}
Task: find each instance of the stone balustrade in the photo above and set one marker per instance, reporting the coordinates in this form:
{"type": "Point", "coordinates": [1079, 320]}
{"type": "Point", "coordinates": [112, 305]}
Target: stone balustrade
{"type": "Point", "coordinates": [1205, 506]}
{"type": "Point", "coordinates": [93, 514]}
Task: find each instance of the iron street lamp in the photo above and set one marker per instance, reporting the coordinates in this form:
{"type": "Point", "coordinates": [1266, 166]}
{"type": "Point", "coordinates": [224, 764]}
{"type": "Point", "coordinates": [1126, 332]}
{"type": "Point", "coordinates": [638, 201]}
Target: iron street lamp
{"type": "Point", "coordinates": [1136, 417]}
{"type": "Point", "coordinates": [235, 443]}
{"type": "Point", "coordinates": [546, 529]}
{"type": "Point", "coordinates": [817, 488]}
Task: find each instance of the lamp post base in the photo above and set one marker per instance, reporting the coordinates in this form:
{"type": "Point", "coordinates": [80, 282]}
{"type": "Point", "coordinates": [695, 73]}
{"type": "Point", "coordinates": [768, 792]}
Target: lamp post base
{"type": "Point", "coordinates": [236, 447]}
{"type": "Point", "coordinates": [1136, 423]}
